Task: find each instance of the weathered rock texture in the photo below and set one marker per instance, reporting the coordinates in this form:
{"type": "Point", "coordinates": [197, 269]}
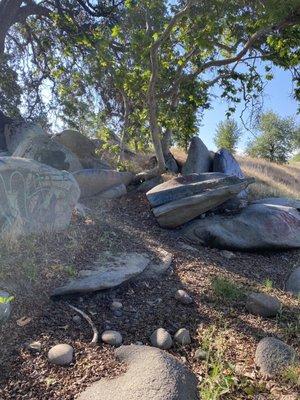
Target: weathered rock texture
{"type": "Point", "coordinates": [96, 181]}
{"type": "Point", "coordinates": [182, 199]}
{"type": "Point", "coordinates": [108, 271]}
{"type": "Point", "coordinates": [34, 197]}
{"type": "Point", "coordinates": [45, 150]}
{"type": "Point", "coordinates": [273, 356]}
{"type": "Point", "coordinates": [256, 227]}
{"type": "Point", "coordinates": [152, 375]}
{"type": "Point", "coordinates": [199, 158]}
{"type": "Point", "coordinates": [79, 144]}
{"type": "Point", "coordinates": [17, 132]}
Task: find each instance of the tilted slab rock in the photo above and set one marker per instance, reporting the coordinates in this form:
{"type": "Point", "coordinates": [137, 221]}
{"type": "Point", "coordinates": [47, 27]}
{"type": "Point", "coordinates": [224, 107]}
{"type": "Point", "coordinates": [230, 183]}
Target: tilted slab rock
{"type": "Point", "coordinates": [108, 271]}
{"type": "Point", "coordinates": [280, 201]}
{"type": "Point", "coordinates": [17, 132]}
{"type": "Point", "coordinates": [256, 227]}
{"type": "Point", "coordinates": [178, 212]}
{"type": "Point", "coordinates": [45, 150]}
{"type": "Point", "coordinates": [199, 158]}
{"type": "Point", "coordinates": [152, 374]}
{"type": "Point", "coordinates": [34, 197]}
{"type": "Point", "coordinates": [185, 186]}
{"type": "Point", "coordinates": [95, 181]}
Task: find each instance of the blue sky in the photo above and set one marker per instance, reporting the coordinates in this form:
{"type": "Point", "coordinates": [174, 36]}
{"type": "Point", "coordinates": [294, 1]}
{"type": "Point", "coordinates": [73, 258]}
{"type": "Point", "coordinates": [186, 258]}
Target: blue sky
{"type": "Point", "coordinates": [277, 97]}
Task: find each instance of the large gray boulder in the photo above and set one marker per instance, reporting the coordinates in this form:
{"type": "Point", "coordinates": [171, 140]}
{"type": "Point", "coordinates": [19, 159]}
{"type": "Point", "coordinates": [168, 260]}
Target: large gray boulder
{"type": "Point", "coordinates": [225, 162]}
{"type": "Point", "coordinates": [45, 150]}
{"type": "Point", "coordinates": [273, 356]}
{"type": "Point", "coordinates": [293, 283]}
{"type": "Point", "coordinates": [280, 201]}
{"type": "Point", "coordinates": [108, 271]}
{"type": "Point", "coordinates": [17, 132]}
{"type": "Point", "coordinates": [184, 198]}
{"type": "Point", "coordinates": [34, 197]}
{"type": "Point", "coordinates": [96, 181]}
{"type": "Point", "coordinates": [256, 227]}
{"type": "Point", "coordinates": [75, 141]}
{"type": "Point", "coordinates": [152, 374]}
{"type": "Point", "coordinates": [199, 158]}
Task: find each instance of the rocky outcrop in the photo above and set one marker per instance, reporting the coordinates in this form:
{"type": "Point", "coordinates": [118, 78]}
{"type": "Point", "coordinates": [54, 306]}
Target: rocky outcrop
{"type": "Point", "coordinates": [34, 197]}
{"type": "Point", "coordinates": [108, 271]}
{"type": "Point", "coordinates": [75, 141]}
{"type": "Point", "coordinates": [182, 199]}
{"type": "Point", "coordinates": [96, 181]}
{"type": "Point", "coordinates": [199, 158]}
{"type": "Point", "coordinates": [17, 132]}
{"type": "Point", "coordinates": [44, 149]}
{"type": "Point", "coordinates": [256, 227]}
{"type": "Point", "coordinates": [152, 374]}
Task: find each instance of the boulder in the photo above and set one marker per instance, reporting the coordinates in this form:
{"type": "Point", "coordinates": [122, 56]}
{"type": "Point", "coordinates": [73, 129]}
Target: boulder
{"type": "Point", "coordinates": [225, 162]}
{"type": "Point", "coordinates": [17, 132]}
{"type": "Point", "coordinates": [108, 271]}
{"type": "Point", "coordinates": [199, 158]}
{"type": "Point", "coordinates": [152, 374]}
{"type": "Point", "coordinates": [184, 198]}
{"type": "Point", "coordinates": [34, 197]}
{"type": "Point", "coordinates": [279, 201]}
{"type": "Point", "coordinates": [96, 181]}
{"type": "Point", "coordinates": [5, 306]}
{"type": "Point", "coordinates": [75, 141]}
{"type": "Point", "coordinates": [91, 162]}
{"type": "Point", "coordinates": [46, 151]}
{"type": "Point", "coordinates": [263, 304]}
{"type": "Point", "coordinates": [293, 283]}
{"type": "Point", "coordinates": [162, 339]}
{"type": "Point", "coordinates": [61, 354]}
{"type": "Point", "coordinates": [256, 227]}
{"type": "Point", "coordinates": [273, 356]}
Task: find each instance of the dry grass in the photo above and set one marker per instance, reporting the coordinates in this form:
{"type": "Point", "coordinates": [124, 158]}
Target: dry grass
{"type": "Point", "coordinates": [272, 180]}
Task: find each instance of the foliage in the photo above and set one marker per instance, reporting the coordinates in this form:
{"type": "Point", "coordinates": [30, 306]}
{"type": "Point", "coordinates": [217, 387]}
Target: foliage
{"type": "Point", "coordinates": [227, 135]}
{"type": "Point", "coordinates": [226, 289]}
{"type": "Point", "coordinates": [276, 140]}
{"type": "Point", "coordinates": [4, 300]}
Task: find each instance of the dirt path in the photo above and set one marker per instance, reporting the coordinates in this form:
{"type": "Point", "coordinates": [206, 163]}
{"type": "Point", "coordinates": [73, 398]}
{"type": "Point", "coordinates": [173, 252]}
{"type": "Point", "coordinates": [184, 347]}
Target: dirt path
{"type": "Point", "coordinates": [125, 225]}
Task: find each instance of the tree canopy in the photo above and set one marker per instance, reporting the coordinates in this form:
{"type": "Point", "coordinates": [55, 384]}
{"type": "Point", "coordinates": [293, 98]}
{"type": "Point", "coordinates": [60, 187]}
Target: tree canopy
{"type": "Point", "coordinates": [227, 135]}
{"type": "Point", "coordinates": [145, 69]}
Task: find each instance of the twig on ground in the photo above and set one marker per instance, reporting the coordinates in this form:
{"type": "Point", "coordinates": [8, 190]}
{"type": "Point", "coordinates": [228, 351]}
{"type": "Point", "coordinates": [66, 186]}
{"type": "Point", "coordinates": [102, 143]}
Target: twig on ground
{"type": "Point", "coordinates": [91, 323]}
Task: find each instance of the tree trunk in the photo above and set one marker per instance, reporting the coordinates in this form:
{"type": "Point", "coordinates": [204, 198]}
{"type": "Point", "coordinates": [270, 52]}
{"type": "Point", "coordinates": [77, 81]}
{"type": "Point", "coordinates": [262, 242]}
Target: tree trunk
{"type": "Point", "coordinates": [125, 125]}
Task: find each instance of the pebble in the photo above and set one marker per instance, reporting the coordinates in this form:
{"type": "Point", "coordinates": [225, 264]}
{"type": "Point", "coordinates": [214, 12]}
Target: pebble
{"type": "Point", "coordinates": [183, 297]}
{"type": "Point", "coordinates": [118, 313]}
{"type": "Point", "coordinates": [35, 346]}
{"type": "Point", "coordinates": [113, 338]}
{"type": "Point", "coordinates": [263, 304]}
{"type": "Point", "coordinates": [228, 254]}
{"type": "Point", "coordinates": [200, 354]}
{"type": "Point", "coordinates": [61, 354]}
{"type": "Point", "coordinates": [116, 305]}
{"type": "Point", "coordinates": [76, 319]}
{"type": "Point", "coordinates": [161, 339]}
{"type": "Point", "coordinates": [182, 336]}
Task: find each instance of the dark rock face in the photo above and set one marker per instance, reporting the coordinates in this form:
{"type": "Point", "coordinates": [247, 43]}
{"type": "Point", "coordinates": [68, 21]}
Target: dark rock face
{"type": "Point", "coordinates": [152, 374]}
{"type": "Point", "coordinates": [199, 158]}
{"type": "Point", "coordinates": [19, 131]}
{"type": "Point", "coordinates": [4, 120]}
{"type": "Point", "coordinates": [184, 198]}
{"type": "Point", "coordinates": [256, 227]}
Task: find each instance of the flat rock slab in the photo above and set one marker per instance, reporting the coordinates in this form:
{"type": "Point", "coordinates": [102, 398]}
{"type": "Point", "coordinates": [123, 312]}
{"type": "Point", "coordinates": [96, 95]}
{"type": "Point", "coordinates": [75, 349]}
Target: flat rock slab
{"type": "Point", "coordinates": [211, 194]}
{"type": "Point", "coordinates": [256, 227]}
{"type": "Point", "coordinates": [152, 374]}
{"type": "Point", "coordinates": [108, 271]}
{"type": "Point", "coordinates": [34, 197]}
{"type": "Point", "coordinates": [96, 181]}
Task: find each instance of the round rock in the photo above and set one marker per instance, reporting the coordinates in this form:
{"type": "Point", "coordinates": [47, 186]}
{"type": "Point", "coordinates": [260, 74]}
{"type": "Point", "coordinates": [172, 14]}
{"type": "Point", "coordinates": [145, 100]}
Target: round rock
{"type": "Point", "coordinates": [116, 305]}
{"type": "Point", "coordinates": [183, 297]}
{"type": "Point", "coordinates": [113, 338]}
{"type": "Point", "coordinates": [61, 354]}
{"type": "Point", "coordinates": [272, 356]}
{"type": "Point", "coordinates": [263, 304]}
{"type": "Point", "coordinates": [182, 336]}
{"type": "Point", "coordinates": [293, 282]}
{"type": "Point", "coordinates": [161, 339]}
{"type": "Point", "coordinates": [200, 354]}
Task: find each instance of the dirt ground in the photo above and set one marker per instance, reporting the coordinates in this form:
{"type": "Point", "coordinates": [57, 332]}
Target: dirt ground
{"type": "Point", "coordinates": [32, 267]}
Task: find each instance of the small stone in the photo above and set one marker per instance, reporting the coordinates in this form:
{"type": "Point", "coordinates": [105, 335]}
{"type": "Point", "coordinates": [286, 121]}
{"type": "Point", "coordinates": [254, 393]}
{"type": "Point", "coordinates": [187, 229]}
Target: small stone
{"type": "Point", "coordinates": [293, 282]}
{"type": "Point", "coordinates": [118, 313]}
{"type": "Point", "coordinates": [228, 254]}
{"type": "Point", "coordinates": [263, 304]}
{"type": "Point", "coordinates": [200, 354]}
{"type": "Point", "coordinates": [113, 338]}
{"type": "Point", "coordinates": [182, 336]}
{"type": "Point", "coordinates": [183, 297]}
{"type": "Point", "coordinates": [272, 356]}
{"type": "Point", "coordinates": [35, 346]}
{"type": "Point", "coordinates": [161, 339]}
{"type": "Point", "coordinates": [76, 319]}
{"type": "Point", "coordinates": [61, 354]}
{"type": "Point", "coordinates": [116, 305]}
{"type": "Point", "coordinates": [138, 343]}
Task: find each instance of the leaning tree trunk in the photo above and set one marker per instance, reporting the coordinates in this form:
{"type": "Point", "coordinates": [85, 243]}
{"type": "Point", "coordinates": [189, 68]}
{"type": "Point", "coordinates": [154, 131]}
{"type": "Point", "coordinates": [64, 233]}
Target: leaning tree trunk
{"type": "Point", "coordinates": [126, 106]}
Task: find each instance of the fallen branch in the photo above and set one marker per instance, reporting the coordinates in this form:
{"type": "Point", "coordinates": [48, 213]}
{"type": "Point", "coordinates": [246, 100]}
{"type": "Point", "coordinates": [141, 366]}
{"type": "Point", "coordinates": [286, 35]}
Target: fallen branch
{"type": "Point", "coordinates": [91, 323]}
